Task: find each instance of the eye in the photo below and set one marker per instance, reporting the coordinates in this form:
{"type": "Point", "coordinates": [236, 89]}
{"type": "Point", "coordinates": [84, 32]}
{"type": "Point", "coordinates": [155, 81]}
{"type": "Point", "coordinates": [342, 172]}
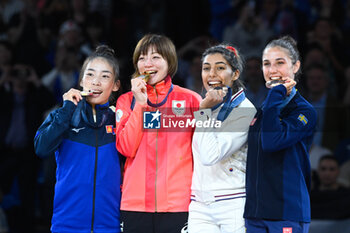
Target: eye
{"type": "Point", "coordinates": [156, 57]}
{"type": "Point", "coordinates": [141, 58]}
{"type": "Point", "coordinates": [221, 68]}
{"type": "Point", "coordinates": [266, 64]}
{"type": "Point", "coordinates": [89, 74]}
{"type": "Point", "coordinates": [105, 76]}
{"type": "Point", "coordinates": [205, 68]}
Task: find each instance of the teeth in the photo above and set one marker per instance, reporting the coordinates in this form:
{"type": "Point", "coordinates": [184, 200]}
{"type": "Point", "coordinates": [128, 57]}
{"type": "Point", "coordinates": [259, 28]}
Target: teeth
{"type": "Point", "coordinates": [275, 78]}
{"type": "Point", "coordinates": [214, 82]}
{"type": "Point", "coordinates": [96, 91]}
{"type": "Point", "coordinates": [150, 72]}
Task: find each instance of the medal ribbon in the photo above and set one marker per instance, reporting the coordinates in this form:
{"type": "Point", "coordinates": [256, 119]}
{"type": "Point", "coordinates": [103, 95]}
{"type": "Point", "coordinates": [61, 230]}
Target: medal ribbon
{"type": "Point", "coordinates": [229, 103]}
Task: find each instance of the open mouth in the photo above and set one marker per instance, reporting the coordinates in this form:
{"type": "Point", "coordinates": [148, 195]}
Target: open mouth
{"type": "Point", "coordinates": [215, 84]}
{"type": "Point", "coordinates": [274, 82]}
{"type": "Point", "coordinates": [86, 93]}
{"type": "Point", "coordinates": [147, 74]}
{"type": "Point", "coordinates": [96, 92]}
{"type": "Point", "coordinates": [90, 92]}
{"type": "Point", "coordinates": [150, 72]}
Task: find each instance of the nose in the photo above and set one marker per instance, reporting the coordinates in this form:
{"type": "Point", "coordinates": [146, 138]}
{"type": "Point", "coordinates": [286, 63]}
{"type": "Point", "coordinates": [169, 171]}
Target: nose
{"type": "Point", "coordinates": [148, 62]}
{"type": "Point", "coordinates": [212, 72]}
{"type": "Point", "coordinates": [272, 69]}
{"type": "Point", "coordinates": [96, 81]}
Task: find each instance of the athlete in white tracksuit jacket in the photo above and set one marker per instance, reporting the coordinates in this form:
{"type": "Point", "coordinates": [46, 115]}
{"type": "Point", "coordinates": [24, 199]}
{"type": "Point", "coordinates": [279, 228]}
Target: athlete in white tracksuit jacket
{"type": "Point", "coordinates": [219, 153]}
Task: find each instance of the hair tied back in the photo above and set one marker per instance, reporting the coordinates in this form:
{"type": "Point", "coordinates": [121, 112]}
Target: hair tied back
{"type": "Point", "coordinates": [232, 49]}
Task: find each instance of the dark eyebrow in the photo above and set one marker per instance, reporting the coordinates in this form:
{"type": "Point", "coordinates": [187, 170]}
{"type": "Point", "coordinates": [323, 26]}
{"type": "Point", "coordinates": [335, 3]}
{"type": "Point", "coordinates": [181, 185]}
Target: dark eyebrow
{"type": "Point", "coordinates": [280, 58]}
{"type": "Point", "coordinates": [216, 63]}
{"type": "Point", "coordinates": [104, 71]}
{"type": "Point", "coordinates": [277, 59]}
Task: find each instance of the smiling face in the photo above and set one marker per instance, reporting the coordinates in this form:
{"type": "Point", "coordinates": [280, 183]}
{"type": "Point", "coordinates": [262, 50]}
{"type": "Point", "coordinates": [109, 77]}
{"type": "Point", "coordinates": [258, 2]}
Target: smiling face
{"type": "Point", "coordinates": [216, 72]}
{"type": "Point", "coordinates": [99, 78]}
{"type": "Point", "coordinates": [153, 62]}
{"type": "Point", "coordinates": [278, 64]}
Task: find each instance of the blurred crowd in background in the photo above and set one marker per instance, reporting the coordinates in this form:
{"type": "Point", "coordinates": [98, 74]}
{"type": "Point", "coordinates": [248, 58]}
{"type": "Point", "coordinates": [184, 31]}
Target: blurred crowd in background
{"type": "Point", "coordinates": [43, 44]}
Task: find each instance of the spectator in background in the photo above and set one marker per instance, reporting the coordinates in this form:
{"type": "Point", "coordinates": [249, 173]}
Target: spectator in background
{"type": "Point", "coordinates": [79, 12]}
{"type": "Point", "coordinates": [328, 172]}
{"type": "Point", "coordinates": [189, 70]}
{"type": "Point", "coordinates": [288, 19]}
{"type": "Point", "coordinates": [248, 32]}
{"type": "Point", "coordinates": [328, 37]}
{"type": "Point", "coordinates": [94, 33]}
{"type": "Point", "coordinates": [25, 100]}
{"type": "Point", "coordinates": [331, 114]}
{"type": "Point", "coordinates": [8, 8]}
{"type": "Point", "coordinates": [221, 14]}
{"type": "Point", "coordinates": [192, 75]}
{"type": "Point", "coordinates": [29, 37]}
{"type": "Point", "coordinates": [55, 13]}
{"type": "Point", "coordinates": [268, 11]}
{"type": "Point", "coordinates": [332, 9]}
{"type": "Point", "coordinates": [70, 35]}
{"type": "Point", "coordinates": [316, 55]}
{"type": "Point", "coordinates": [329, 200]}
{"type": "Point", "coordinates": [65, 74]}
{"type": "Point", "coordinates": [256, 90]}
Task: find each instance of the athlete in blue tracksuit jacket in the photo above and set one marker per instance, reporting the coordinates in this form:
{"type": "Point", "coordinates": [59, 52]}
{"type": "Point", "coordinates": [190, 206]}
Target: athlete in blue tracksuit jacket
{"type": "Point", "coordinates": [278, 174]}
{"type": "Point", "coordinates": [278, 167]}
{"type": "Point", "coordinates": [81, 133]}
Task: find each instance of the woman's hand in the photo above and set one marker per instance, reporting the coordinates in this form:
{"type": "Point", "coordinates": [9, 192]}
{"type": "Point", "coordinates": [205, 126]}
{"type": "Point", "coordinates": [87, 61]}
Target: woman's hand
{"type": "Point", "coordinates": [289, 84]}
{"type": "Point", "coordinates": [73, 95]}
{"type": "Point", "coordinates": [212, 98]}
{"type": "Point", "coordinates": [139, 90]}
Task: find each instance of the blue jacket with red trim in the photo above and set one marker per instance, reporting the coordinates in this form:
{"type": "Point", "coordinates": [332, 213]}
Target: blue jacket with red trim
{"type": "Point", "coordinates": [278, 172]}
{"type": "Point", "coordinates": [87, 190]}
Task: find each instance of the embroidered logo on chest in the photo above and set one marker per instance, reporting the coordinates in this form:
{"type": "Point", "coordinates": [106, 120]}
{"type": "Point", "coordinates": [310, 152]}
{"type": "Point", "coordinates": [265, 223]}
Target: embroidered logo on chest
{"type": "Point", "coordinates": [178, 107]}
{"type": "Point", "coordinates": [110, 129]}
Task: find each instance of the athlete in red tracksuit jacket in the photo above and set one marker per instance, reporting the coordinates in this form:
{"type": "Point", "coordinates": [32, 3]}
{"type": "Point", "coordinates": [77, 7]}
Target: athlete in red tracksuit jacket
{"type": "Point", "coordinates": [158, 169]}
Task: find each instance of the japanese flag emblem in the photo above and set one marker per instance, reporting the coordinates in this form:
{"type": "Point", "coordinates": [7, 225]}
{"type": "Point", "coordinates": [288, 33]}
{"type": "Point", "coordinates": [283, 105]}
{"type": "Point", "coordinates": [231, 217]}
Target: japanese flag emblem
{"type": "Point", "coordinates": [178, 107]}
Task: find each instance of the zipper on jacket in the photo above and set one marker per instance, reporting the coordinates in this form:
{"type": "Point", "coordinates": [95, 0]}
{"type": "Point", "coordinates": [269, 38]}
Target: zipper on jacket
{"type": "Point", "coordinates": [94, 190]}
{"type": "Point", "coordinates": [155, 181]}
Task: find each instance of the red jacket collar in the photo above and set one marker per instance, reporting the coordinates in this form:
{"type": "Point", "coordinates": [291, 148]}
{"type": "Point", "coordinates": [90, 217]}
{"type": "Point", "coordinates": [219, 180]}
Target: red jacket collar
{"type": "Point", "coordinates": [160, 89]}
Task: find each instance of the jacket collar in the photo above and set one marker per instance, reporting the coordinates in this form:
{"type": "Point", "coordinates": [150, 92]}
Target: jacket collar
{"type": "Point", "coordinates": [159, 90]}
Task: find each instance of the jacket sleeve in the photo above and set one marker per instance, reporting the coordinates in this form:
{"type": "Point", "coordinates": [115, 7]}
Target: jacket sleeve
{"type": "Point", "coordinates": [128, 126]}
{"type": "Point", "coordinates": [215, 145]}
{"type": "Point", "coordinates": [50, 134]}
{"type": "Point", "coordinates": [278, 134]}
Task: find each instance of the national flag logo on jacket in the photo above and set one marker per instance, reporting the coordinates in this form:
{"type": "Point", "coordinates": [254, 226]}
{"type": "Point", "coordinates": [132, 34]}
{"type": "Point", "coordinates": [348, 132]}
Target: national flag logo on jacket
{"type": "Point", "coordinates": [178, 107]}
